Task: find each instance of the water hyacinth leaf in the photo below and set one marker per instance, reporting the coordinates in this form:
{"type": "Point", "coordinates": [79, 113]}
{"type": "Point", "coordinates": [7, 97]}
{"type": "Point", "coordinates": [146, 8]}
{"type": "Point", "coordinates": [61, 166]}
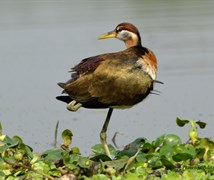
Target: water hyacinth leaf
{"type": "Point", "coordinates": [117, 164]}
{"type": "Point", "coordinates": [17, 138]}
{"type": "Point", "coordinates": [10, 160]}
{"type": "Point", "coordinates": [84, 162]}
{"type": "Point", "coordinates": [131, 176]}
{"type": "Point", "coordinates": [141, 158]}
{"type": "Point", "coordinates": [166, 151]}
{"type": "Point", "coordinates": [10, 142]}
{"type": "Point", "coordinates": [166, 163]}
{"type": "Point", "coordinates": [201, 124]}
{"type": "Point", "coordinates": [159, 141]}
{"type": "Point", "coordinates": [147, 148]}
{"type": "Point", "coordinates": [74, 158]}
{"type": "Point", "coordinates": [3, 147]}
{"type": "Point", "coordinates": [172, 139]}
{"type": "Point", "coordinates": [193, 174]}
{"type": "Point", "coordinates": [102, 157]}
{"type": "Point", "coordinates": [2, 174]}
{"type": "Point", "coordinates": [208, 143]}
{"type": "Point", "coordinates": [67, 137]}
{"type": "Point", "coordinates": [171, 175]}
{"type": "Point", "coordinates": [27, 149]}
{"type": "Point", "coordinates": [208, 146]}
{"type": "Point", "coordinates": [75, 150]}
{"type": "Point", "coordinates": [190, 150]}
{"type": "Point", "coordinates": [51, 156]}
{"type": "Point", "coordinates": [98, 149]}
{"type": "Point", "coordinates": [181, 122]}
{"type": "Point", "coordinates": [136, 144]}
{"type": "Point", "coordinates": [179, 148]}
{"type": "Point", "coordinates": [155, 162]}
{"type": "Point", "coordinates": [182, 148]}
{"type": "Point", "coordinates": [97, 177]}
{"type": "Point", "coordinates": [181, 157]}
{"type": "Point", "coordinates": [141, 172]}
{"type": "Point", "coordinates": [132, 148]}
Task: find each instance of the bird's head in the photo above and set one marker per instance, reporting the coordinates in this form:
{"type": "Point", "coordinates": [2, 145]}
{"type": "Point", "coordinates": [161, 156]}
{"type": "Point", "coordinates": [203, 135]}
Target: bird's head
{"type": "Point", "coordinates": [126, 32]}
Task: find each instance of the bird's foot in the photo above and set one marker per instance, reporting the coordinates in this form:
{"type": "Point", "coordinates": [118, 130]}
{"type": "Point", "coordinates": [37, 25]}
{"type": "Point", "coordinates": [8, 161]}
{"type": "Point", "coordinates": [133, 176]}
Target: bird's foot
{"type": "Point", "coordinates": [73, 106]}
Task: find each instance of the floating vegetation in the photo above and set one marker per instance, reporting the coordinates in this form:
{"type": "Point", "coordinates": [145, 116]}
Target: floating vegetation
{"type": "Point", "coordinates": [166, 157]}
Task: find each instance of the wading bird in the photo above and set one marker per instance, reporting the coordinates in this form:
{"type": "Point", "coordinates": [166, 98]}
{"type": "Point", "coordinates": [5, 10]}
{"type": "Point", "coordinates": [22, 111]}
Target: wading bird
{"type": "Point", "coordinates": [114, 80]}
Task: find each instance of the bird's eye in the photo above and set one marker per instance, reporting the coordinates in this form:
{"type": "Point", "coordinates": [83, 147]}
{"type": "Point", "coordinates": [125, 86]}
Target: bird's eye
{"type": "Point", "coordinates": [119, 29]}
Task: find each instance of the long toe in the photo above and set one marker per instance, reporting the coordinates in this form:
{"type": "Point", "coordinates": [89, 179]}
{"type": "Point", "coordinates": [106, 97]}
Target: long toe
{"type": "Point", "coordinates": [73, 106]}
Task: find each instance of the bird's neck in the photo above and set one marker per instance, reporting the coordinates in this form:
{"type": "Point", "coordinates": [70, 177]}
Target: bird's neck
{"type": "Point", "coordinates": [133, 41]}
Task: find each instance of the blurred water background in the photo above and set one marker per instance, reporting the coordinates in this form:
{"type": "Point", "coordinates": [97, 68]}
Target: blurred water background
{"type": "Point", "coordinates": [41, 40]}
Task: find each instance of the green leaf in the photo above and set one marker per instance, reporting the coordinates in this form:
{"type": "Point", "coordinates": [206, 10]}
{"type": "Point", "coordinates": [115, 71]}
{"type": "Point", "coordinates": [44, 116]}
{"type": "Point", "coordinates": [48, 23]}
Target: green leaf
{"type": "Point", "coordinates": [73, 158]}
{"type": "Point", "coordinates": [131, 176]}
{"type": "Point", "coordinates": [132, 148]}
{"type": "Point", "coordinates": [141, 158]}
{"type": "Point", "coordinates": [201, 124]}
{"type": "Point", "coordinates": [147, 148]}
{"type": "Point", "coordinates": [166, 163]}
{"type": "Point", "coordinates": [159, 141]}
{"type": "Point", "coordinates": [155, 162]}
{"type": "Point", "coordinates": [166, 151]}
{"type": "Point", "coordinates": [171, 175]}
{"type": "Point", "coordinates": [141, 172]}
{"type": "Point", "coordinates": [136, 144]}
{"type": "Point", "coordinates": [181, 157]}
{"type": "Point", "coordinates": [98, 177]}
{"type": "Point", "coordinates": [10, 142]}
{"type": "Point", "coordinates": [182, 148]}
{"type": "Point", "coordinates": [67, 137]}
{"type": "Point", "coordinates": [181, 122]}
{"type": "Point", "coordinates": [18, 139]}
{"type": "Point", "coordinates": [98, 157]}
{"type": "Point", "coordinates": [117, 164]}
{"type": "Point", "coordinates": [75, 150]}
{"type": "Point", "coordinates": [98, 149]}
{"type": "Point", "coordinates": [51, 156]}
{"type": "Point", "coordinates": [84, 162]}
{"type": "Point", "coordinates": [172, 139]}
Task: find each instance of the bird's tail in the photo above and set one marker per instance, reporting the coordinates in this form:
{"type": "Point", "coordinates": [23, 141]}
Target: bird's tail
{"type": "Point", "coordinates": [65, 99]}
{"type": "Point", "coordinates": [62, 85]}
{"type": "Point", "coordinates": [156, 81]}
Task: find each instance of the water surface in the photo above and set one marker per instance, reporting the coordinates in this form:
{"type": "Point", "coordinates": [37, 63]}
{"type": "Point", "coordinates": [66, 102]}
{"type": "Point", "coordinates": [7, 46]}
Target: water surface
{"type": "Point", "coordinates": [41, 40]}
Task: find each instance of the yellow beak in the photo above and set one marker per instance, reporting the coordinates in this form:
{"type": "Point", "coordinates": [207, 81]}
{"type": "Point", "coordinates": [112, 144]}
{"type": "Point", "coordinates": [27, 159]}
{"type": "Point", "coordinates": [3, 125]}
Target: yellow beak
{"type": "Point", "coordinates": [111, 34]}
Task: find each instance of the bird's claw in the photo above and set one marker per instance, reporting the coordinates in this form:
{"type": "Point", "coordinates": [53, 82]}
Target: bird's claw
{"type": "Point", "coordinates": [73, 106]}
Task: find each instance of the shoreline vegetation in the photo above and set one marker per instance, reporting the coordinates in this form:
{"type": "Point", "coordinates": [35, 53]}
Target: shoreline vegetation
{"type": "Point", "coordinates": [166, 157]}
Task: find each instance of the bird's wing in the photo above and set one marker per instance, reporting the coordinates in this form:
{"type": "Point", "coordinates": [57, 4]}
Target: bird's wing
{"type": "Point", "coordinates": [85, 66]}
{"type": "Point", "coordinates": [82, 74]}
{"type": "Point", "coordinates": [90, 64]}
{"type": "Point", "coordinates": [107, 74]}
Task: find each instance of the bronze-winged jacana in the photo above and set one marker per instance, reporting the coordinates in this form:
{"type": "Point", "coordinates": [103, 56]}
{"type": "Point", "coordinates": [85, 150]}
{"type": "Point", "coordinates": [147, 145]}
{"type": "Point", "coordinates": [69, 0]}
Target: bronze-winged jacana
{"type": "Point", "coordinates": [114, 80]}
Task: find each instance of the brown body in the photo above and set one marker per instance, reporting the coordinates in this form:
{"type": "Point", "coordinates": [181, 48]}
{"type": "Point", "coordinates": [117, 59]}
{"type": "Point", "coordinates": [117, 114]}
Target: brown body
{"type": "Point", "coordinates": [120, 79]}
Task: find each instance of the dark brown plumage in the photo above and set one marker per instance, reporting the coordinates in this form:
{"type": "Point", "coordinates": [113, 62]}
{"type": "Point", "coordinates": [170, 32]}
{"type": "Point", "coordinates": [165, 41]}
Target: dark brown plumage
{"type": "Point", "coordinates": [109, 80]}
{"type": "Point", "coordinates": [114, 80]}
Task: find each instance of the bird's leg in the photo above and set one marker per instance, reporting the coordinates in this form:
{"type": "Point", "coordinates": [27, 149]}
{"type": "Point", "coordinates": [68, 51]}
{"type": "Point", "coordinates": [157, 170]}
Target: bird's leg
{"type": "Point", "coordinates": [73, 106]}
{"type": "Point", "coordinates": [103, 135]}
